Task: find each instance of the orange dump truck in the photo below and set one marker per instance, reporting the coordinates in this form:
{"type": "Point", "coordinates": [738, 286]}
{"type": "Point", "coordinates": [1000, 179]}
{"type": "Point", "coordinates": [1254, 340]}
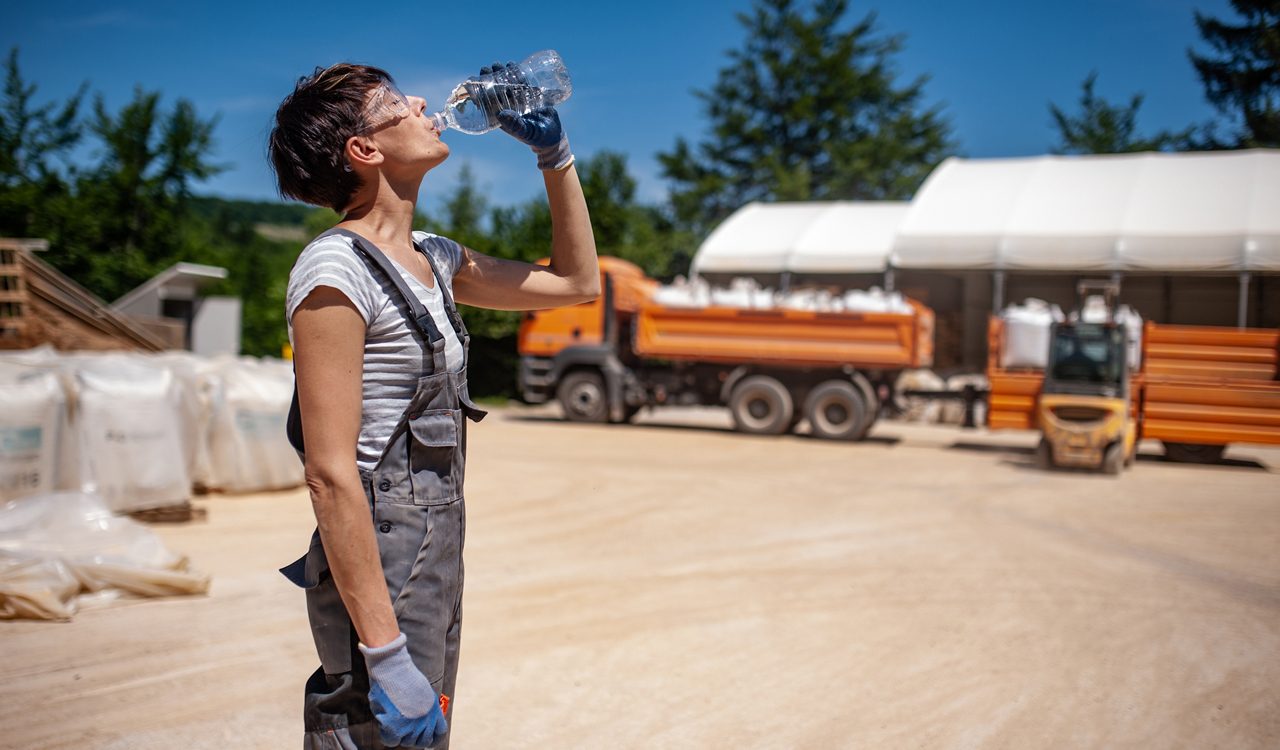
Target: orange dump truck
{"type": "Point", "coordinates": [1197, 390]}
{"type": "Point", "coordinates": [773, 367]}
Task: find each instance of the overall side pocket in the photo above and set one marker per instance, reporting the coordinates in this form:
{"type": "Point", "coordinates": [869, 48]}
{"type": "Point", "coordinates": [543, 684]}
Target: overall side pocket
{"type": "Point", "coordinates": [433, 443]}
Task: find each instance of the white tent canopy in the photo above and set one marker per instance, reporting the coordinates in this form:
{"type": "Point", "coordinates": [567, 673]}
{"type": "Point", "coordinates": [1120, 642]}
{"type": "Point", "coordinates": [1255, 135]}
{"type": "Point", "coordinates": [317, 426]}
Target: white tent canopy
{"type": "Point", "coordinates": [1133, 212]}
{"type": "Point", "coordinates": [830, 237]}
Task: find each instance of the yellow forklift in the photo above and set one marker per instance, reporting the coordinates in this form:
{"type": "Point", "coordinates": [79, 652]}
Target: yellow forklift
{"type": "Point", "coordinates": [1084, 411]}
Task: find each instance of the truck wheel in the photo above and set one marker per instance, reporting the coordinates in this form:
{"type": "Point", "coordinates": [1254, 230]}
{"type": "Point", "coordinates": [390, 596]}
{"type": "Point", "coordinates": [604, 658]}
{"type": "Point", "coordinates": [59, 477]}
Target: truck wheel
{"type": "Point", "coordinates": [1113, 459]}
{"type": "Point", "coordinates": [871, 400]}
{"type": "Point", "coordinates": [836, 410]}
{"type": "Point", "coordinates": [1191, 453]}
{"type": "Point", "coordinates": [761, 405]}
{"type": "Point", "coordinates": [582, 396]}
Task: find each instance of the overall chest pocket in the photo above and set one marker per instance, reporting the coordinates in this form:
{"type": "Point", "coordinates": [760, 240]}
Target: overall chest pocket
{"type": "Point", "coordinates": [435, 464]}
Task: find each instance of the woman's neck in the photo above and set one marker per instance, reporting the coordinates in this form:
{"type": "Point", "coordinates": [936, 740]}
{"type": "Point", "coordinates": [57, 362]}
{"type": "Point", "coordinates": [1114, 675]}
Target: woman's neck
{"type": "Point", "coordinates": [382, 213]}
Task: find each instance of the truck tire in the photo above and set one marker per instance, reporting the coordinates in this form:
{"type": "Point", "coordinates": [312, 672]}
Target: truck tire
{"type": "Point", "coordinates": [872, 401]}
{"type": "Point", "coordinates": [1191, 453]}
{"type": "Point", "coordinates": [837, 410]}
{"type": "Point", "coordinates": [761, 406]}
{"type": "Point", "coordinates": [582, 397]}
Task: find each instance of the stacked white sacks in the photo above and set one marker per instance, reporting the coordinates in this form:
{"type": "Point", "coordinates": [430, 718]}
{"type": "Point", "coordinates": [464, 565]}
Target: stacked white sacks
{"type": "Point", "coordinates": [746, 293]}
{"type": "Point", "coordinates": [1026, 334]}
{"type": "Point", "coordinates": [143, 430]}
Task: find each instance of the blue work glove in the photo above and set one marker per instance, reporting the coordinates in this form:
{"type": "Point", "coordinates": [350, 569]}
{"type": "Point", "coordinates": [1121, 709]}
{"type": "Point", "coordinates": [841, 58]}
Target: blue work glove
{"type": "Point", "coordinates": [407, 709]}
{"type": "Point", "coordinates": [539, 129]}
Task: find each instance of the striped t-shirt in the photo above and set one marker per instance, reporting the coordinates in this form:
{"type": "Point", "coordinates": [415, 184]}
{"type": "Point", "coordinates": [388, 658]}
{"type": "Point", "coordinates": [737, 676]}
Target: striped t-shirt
{"type": "Point", "coordinates": [395, 355]}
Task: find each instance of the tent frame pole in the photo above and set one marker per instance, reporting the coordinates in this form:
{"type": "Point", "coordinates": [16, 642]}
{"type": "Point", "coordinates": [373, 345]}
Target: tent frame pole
{"type": "Point", "coordinates": [997, 291]}
{"type": "Point", "coordinates": [888, 279]}
{"type": "Point", "coordinates": [1242, 310]}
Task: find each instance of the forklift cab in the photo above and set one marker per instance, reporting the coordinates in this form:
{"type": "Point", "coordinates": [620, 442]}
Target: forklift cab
{"type": "Point", "coordinates": [1084, 411]}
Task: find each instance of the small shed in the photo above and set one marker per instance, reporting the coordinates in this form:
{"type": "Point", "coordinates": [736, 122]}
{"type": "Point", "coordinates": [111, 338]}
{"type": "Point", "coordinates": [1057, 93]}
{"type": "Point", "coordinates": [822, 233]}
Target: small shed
{"type": "Point", "coordinates": [173, 305]}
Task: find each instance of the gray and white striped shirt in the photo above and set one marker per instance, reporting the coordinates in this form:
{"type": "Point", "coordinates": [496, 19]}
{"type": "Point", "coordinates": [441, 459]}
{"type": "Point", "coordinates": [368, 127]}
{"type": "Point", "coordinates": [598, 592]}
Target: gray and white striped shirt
{"type": "Point", "coordinates": [394, 355]}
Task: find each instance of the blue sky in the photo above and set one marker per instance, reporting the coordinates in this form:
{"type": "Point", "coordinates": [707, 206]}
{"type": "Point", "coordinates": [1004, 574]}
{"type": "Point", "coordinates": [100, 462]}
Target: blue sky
{"type": "Point", "coordinates": [994, 66]}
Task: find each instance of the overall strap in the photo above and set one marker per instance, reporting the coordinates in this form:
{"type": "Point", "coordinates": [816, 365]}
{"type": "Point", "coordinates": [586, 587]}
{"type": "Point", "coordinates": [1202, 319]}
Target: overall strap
{"type": "Point", "coordinates": [417, 312]}
{"type": "Point", "coordinates": [450, 309]}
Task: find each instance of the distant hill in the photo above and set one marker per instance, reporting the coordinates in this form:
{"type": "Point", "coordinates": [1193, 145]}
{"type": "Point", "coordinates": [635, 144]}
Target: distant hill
{"type": "Point", "coordinates": [273, 213]}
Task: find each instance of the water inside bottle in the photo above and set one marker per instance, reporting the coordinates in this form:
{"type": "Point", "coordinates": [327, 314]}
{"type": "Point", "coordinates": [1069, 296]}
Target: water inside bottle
{"type": "Point", "coordinates": [475, 104]}
{"type": "Point", "coordinates": [467, 108]}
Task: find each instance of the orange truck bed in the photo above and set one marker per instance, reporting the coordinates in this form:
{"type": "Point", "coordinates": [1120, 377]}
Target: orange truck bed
{"type": "Point", "coordinates": [544, 333]}
{"type": "Point", "coordinates": [1202, 385]}
{"type": "Point", "coordinates": [786, 337]}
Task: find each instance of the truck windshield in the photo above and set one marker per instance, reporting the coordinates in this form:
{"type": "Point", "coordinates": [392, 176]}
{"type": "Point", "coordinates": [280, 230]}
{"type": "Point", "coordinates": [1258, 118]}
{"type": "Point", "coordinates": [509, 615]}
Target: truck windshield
{"type": "Point", "coordinates": [1088, 354]}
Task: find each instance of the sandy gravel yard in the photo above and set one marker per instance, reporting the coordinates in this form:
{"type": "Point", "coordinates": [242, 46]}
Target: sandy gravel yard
{"type": "Point", "coordinates": [673, 584]}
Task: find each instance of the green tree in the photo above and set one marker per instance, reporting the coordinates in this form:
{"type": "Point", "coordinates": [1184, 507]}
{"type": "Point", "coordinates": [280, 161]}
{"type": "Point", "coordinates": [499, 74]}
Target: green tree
{"type": "Point", "coordinates": [35, 142]}
{"type": "Point", "coordinates": [807, 109]}
{"type": "Point", "coordinates": [624, 227]}
{"type": "Point", "coordinates": [31, 137]}
{"type": "Point", "coordinates": [1105, 128]}
{"type": "Point", "coordinates": [1241, 76]}
{"type": "Point", "coordinates": [134, 202]}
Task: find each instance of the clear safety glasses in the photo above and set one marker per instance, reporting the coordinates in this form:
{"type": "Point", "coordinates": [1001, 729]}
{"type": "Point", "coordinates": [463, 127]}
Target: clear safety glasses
{"type": "Point", "coordinates": [386, 105]}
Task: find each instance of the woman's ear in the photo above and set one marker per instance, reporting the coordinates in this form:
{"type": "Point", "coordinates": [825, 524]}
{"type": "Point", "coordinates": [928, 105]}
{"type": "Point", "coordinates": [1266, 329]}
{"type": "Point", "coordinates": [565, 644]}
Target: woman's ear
{"type": "Point", "coordinates": [361, 151]}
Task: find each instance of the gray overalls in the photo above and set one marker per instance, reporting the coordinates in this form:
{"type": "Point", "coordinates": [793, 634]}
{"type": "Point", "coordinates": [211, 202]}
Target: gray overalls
{"type": "Point", "coordinates": [415, 496]}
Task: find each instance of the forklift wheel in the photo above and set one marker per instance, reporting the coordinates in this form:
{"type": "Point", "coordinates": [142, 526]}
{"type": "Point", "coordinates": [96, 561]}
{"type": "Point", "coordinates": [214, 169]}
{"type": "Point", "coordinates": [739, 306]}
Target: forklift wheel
{"type": "Point", "coordinates": [1044, 454]}
{"type": "Point", "coordinates": [1113, 459]}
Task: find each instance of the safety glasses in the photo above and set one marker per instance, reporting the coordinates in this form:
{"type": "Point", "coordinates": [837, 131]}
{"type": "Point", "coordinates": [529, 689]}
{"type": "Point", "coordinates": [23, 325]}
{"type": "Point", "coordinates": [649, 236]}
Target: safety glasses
{"type": "Point", "coordinates": [386, 105]}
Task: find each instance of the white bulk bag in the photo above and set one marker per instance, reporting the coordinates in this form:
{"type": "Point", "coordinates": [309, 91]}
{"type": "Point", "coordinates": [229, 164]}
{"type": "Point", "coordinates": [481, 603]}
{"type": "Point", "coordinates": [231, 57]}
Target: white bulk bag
{"type": "Point", "coordinates": [130, 435]}
{"type": "Point", "coordinates": [196, 382]}
{"type": "Point", "coordinates": [875, 300]}
{"type": "Point", "coordinates": [1132, 322]}
{"type": "Point", "coordinates": [32, 425]}
{"type": "Point", "coordinates": [692, 293]}
{"type": "Point", "coordinates": [248, 449]}
{"type": "Point", "coordinates": [918, 408]}
{"type": "Point", "coordinates": [1026, 334]}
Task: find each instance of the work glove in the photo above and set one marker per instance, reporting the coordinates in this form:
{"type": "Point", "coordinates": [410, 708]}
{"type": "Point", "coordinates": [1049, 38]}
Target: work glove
{"type": "Point", "coordinates": [407, 709]}
{"type": "Point", "coordinates": [539, 129]}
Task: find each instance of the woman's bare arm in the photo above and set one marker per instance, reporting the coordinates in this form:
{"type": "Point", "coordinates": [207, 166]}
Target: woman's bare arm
{"type": "Point", "coordinates": [328, 335]}
{"type": "Point", "coordinates": [572, 277]}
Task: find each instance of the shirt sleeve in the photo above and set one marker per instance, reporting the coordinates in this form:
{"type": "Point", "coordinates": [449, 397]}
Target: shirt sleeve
{"type": "Point", "coordinates": [444, 251]}
{"type": "Point", "coordinates": [331, 262]}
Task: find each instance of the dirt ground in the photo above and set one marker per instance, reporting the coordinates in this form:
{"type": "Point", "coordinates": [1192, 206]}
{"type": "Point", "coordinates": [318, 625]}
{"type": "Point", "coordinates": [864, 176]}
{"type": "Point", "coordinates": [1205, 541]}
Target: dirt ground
{"type": "Point", "coordinates": [677, 585]}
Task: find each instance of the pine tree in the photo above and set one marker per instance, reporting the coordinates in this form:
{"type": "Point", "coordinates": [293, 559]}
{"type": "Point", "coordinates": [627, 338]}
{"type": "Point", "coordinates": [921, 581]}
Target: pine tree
{"type": "Point", "coordinates": [807, 109]}
{"type": "Point", "coordinates": [1105, 128]}
{"type": "Point", "coordinates": [1243, 78]}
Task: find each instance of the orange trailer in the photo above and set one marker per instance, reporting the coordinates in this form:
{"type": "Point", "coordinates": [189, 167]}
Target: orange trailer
{"type": "Point", "coordinates": [1198, 389]}
{"type": "Point", "coordinates": [773, 368]}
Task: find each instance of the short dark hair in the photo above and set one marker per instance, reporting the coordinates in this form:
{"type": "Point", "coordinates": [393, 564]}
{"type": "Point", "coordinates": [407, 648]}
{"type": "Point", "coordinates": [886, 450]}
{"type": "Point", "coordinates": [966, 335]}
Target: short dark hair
{"type": "Point", "coordinates": [308, 143]}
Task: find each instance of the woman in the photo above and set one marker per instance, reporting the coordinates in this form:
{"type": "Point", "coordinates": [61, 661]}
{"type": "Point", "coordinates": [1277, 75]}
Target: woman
{"type": "Point", "coordinates": [380, 354]}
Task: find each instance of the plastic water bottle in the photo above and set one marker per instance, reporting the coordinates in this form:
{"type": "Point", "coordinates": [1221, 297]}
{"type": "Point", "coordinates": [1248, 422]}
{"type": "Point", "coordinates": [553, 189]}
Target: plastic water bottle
{"type": "Point", "coordinates": [546, 84]}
